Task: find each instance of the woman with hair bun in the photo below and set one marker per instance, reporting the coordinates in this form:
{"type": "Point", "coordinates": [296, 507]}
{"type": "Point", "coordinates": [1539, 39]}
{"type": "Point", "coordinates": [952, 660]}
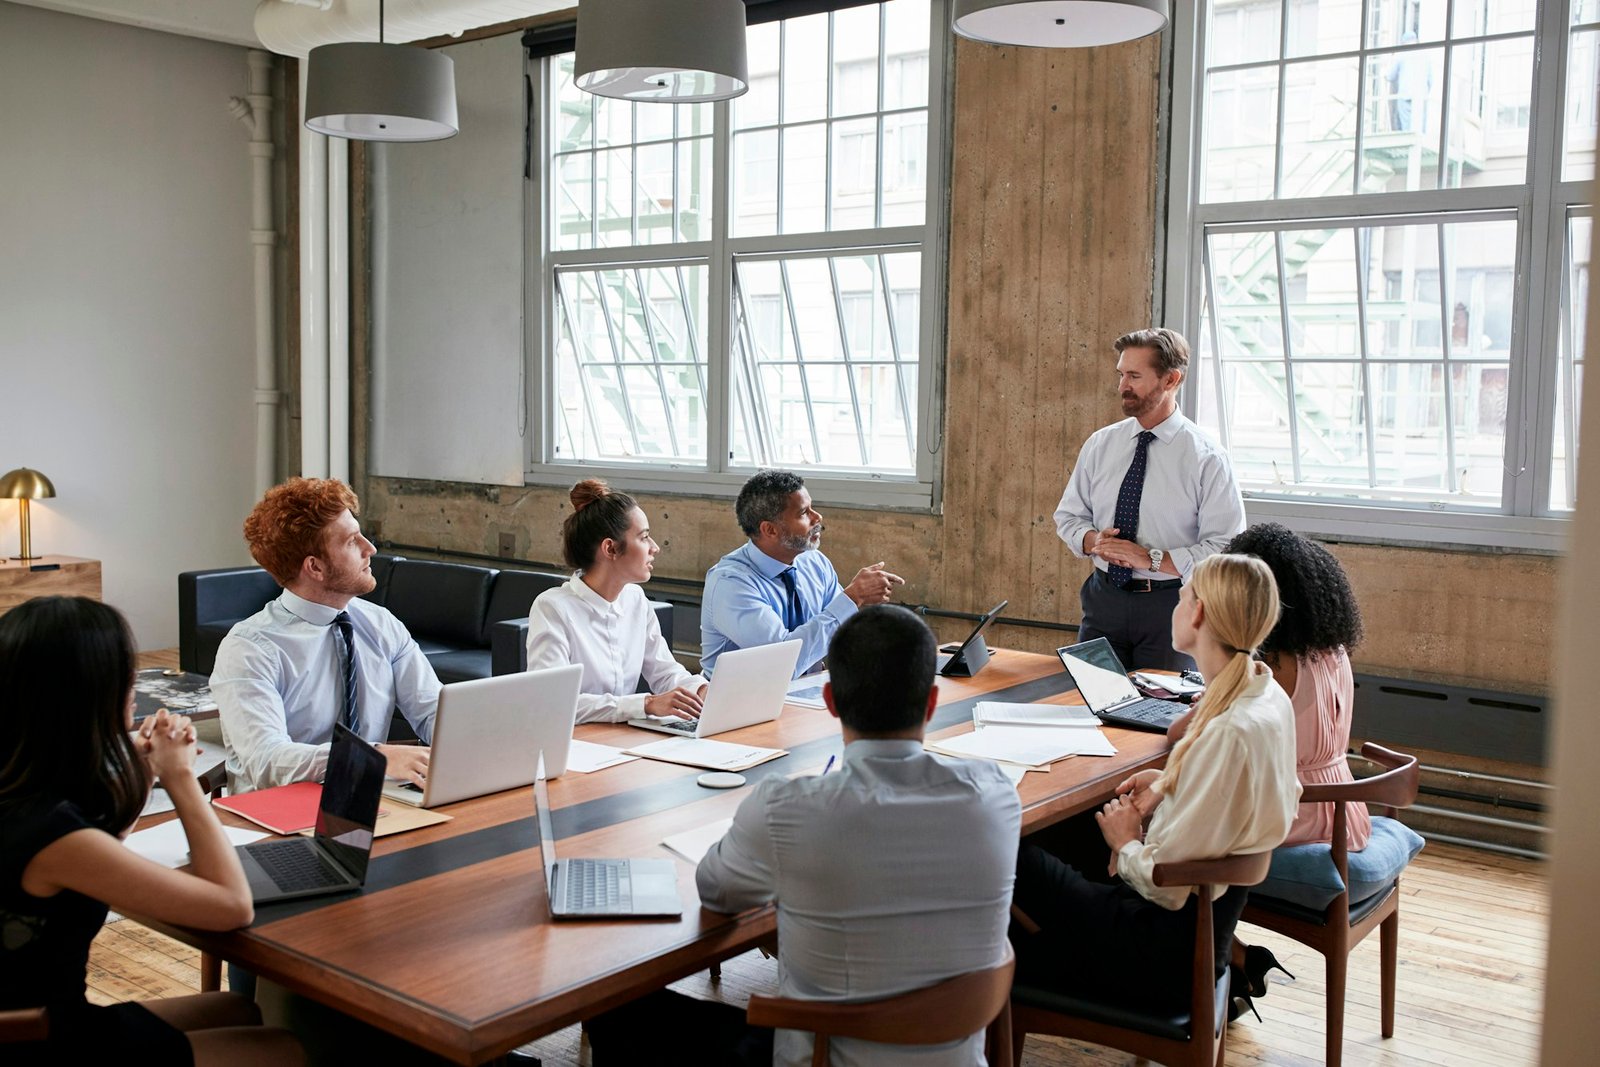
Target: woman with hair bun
{"type": "Point", "coordinates": [1228, 788]}
{"type": "Point", "coordinates": [601, 620]}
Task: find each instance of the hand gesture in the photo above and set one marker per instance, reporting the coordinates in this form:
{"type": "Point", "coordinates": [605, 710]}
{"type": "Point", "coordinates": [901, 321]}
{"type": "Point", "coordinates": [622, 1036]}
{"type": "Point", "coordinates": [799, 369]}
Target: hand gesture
{"type": "Point", "coordinates": [1140, 791]}
{"type": "Point", "coordinates": [167, 742]}
{"type": "Point", "coordinates": [1119, 823]}
{"type": "Point", "coordinates": [679, 703]}
{"type": "Point", "coordinates": [872, 585]}
{"type": "Point", "coordinates": [1113, 549]}
{"type": "Point", "coordinates": [407, 762]}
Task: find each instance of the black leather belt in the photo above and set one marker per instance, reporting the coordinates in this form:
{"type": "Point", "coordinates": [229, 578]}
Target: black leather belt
{"type": "Point", "coordinates": [1138, 585]}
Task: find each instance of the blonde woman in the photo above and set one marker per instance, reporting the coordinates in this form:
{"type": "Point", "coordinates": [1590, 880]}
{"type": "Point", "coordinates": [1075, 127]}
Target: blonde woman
{"type": "Point", "coordinates": [1229, 787]}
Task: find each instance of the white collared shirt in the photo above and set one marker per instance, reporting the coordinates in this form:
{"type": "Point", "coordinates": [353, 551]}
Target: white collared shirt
{"type": "Point", "coordinates": [615, 642]}
{"type": "Point", "coordinates": [279, 686]}
{"type": "Point", "coordinates": [1190, 507]}
{"type": "Point", "coordinates": [890, 874]}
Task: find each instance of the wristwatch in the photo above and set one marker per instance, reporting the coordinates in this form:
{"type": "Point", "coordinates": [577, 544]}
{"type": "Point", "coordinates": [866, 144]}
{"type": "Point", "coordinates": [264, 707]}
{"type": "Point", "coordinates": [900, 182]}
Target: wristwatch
{"type": "Point", "coordinates": [1156, 556]}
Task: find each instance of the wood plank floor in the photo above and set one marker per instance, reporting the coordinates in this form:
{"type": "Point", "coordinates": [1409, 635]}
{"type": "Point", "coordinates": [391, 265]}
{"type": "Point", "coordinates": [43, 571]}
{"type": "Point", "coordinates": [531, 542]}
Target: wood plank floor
{"type": "Point", "coordinates": [1472, 949]}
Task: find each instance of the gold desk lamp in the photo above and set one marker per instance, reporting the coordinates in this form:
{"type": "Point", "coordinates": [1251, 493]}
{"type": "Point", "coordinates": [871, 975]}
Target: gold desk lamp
{"type": "Point", "coordinates": [23, 485]}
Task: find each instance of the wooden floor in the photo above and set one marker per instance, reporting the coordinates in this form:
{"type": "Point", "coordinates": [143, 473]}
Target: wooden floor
{"type": "Point", "coordinates": [1472, 949]}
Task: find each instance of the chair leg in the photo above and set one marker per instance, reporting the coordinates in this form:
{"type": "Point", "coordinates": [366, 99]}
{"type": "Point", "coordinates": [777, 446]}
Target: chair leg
{"type": "Point", "coordinates": [1019, 1038]}
{"type": "Point", "coordinates": [210, 973]}
{"type": "Point", "coordinates": [1338, 965]}
{"type": "Point", "coordinates": [997, 1044]}
{"type": "Point", "coordinates": [716, 971]}
{"type": "Point", "coordinates": [1389, 949]}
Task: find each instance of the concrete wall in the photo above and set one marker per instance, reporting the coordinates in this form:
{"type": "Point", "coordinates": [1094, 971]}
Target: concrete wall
{"type": "Point", "coordinates": [1051, 257]}
{"type": "Point", "coordinates": [125, 301]}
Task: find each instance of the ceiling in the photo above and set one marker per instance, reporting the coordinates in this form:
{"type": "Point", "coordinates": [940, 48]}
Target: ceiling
{"type": "Point", "coordinates": [232, 21]}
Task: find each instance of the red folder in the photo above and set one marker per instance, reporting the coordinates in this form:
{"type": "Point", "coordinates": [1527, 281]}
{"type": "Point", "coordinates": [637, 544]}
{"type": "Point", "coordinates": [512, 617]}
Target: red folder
{"type": "Point", "coordinates": [284, 809]}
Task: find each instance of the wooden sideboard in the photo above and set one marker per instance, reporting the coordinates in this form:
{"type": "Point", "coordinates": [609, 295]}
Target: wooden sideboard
{"type": "Point", "coordinates": [47, 576]}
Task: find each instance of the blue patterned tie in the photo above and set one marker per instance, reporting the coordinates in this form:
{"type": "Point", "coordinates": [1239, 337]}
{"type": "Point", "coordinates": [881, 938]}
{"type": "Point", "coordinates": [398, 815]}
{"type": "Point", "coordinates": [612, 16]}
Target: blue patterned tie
{"type": "Point", "coordinates": [1127, 516]}
{"type": "Point", "coordinates": [791, 603]}
{"type": "Point", "coordinates": [352, 711]}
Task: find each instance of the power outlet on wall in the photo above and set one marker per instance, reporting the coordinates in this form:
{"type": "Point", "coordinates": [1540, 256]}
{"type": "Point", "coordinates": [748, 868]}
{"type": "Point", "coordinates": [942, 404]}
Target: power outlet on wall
{"type": "Point", "coordinates": [508, 545]}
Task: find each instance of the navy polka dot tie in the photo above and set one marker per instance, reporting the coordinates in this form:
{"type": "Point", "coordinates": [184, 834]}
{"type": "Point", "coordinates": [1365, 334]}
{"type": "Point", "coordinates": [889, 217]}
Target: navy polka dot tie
{"type": "Point", "coordinates": [347, 655]}
{"type": "Point", "coordinates": [791, 600]}
{"type": "Point", "coordinates": [1127, 517]}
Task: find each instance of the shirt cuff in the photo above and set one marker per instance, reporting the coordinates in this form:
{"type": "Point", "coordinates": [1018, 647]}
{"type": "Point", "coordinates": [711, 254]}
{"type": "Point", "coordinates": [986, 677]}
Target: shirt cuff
{"type": "Point", "coordinates": [841, 606]}
{"type": "Point", "coordinates": [630, 706]}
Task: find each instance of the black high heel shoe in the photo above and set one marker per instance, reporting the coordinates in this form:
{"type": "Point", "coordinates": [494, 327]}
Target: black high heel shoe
{"type": "Point", "coordinates": [1258, 961]}
{"type": "Point", "coordinates": [1239, 999]}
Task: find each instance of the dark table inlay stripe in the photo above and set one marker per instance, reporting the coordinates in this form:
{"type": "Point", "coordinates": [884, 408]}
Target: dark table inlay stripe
{"type": "Point", "coordinates": [464, 850]}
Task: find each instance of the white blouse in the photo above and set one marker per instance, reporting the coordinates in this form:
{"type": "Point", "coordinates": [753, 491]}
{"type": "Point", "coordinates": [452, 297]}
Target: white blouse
{"type": "Point", "coordinates": [613, 641]}
{"type": "Point", "coordinates": [1238, 793]}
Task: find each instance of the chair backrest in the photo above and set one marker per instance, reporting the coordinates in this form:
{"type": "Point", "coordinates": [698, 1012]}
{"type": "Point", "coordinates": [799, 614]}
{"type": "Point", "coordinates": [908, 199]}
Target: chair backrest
{"type": "Point", "coordinates": [949, 1011]}
{"type": "Point", "coordinates": [442, 602]}
{"type": "Point", "coordinates": [26, 1024]}
{"type": "Point", "coordinates": [1392, 788]}
{"type": "Point", "coordinates": [514, 593]}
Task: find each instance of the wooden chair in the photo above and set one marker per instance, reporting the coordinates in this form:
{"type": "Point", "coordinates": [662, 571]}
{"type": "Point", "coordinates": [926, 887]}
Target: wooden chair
{"type": "Point", "coordinates": [1340, 928]}
{"type": "Point", "coordinates": [1175, 1040]}
{"type": "Point", "coordinates": [26, 1024]}
{"type": "Point", "coordinates": [948, 1011]}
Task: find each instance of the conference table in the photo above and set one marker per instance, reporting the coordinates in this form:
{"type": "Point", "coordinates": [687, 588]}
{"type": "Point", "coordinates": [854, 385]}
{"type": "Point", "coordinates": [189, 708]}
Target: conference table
{"type": "Point", "coordinates": [450, 944]}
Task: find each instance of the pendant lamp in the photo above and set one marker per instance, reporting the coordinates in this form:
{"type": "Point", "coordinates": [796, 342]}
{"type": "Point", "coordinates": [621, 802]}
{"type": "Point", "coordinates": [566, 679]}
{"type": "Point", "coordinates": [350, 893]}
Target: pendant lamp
{"type": "Point", "coordinates": [674, 51]}
{"type": "Point", "coordinates": [1059, 23]}
{"type": "Point", "coordinates": [369, 91]}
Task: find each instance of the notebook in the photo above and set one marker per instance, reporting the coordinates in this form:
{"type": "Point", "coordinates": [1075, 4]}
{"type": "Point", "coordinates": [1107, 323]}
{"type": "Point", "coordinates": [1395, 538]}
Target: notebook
{"type": "Point", "coordinates": [488, 733]}
{"type": "Point", "coordinates": [749, 687]}
{"type": "Point", "coordinates": [1103, 683]}
{"type": "Point", "coordinates": [602, 888]}
{"type": "Point", "coordinates": [334, 858]}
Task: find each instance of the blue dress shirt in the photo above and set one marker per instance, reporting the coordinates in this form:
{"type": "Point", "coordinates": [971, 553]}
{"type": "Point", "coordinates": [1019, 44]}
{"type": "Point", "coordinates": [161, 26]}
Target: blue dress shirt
{"type": "Point", "coordinates": [744, 600]}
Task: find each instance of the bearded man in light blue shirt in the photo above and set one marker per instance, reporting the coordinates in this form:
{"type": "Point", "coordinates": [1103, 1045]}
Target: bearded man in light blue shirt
{"type": "Point", "coordinates": [779, 586]}
{"type": "Point", "coordinates": [318, 654]}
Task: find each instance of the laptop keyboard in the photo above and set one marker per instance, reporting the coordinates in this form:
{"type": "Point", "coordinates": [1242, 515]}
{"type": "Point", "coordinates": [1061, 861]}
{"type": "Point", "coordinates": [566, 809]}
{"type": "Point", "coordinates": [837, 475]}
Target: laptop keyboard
{"type": "Point", "coordinates": [679, 726]}
{"type": "Point", "coordinates": [1149, 710]}
{"type": "Point", "coordinates": [295, 865]}
{"type": "Point", "coordinates": [593, 884]}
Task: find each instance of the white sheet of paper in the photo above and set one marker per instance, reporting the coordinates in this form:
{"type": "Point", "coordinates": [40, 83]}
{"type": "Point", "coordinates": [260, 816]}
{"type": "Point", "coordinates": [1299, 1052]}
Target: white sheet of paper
{"type": "Point", "coordinates": [807, 692]}
{"type": "Point", "coordinates": [157, 802]}
{"type": "Point", "coordinates": [713, 755]}
{"type": "Point", "coordinates": [585, 756]}
{"type": "Point", "coordinates": [992, 712]}
{"type": "Point", "coordinates": [168, 845]}
{"type": "Point", "coordinates": [1030, 746]}
{"type": "Point", "coordinates": [692, 845]}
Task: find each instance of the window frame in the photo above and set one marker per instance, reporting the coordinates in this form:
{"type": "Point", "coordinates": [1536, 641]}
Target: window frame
{"type": "Point", "coordinates": [919, 490]}
{"type": "Point", "coordinates": [1541, 206]}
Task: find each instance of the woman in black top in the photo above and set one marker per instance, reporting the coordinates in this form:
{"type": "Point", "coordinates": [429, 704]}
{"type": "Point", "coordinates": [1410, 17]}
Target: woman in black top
{"type": "Point", "coordinates": [72, 781]}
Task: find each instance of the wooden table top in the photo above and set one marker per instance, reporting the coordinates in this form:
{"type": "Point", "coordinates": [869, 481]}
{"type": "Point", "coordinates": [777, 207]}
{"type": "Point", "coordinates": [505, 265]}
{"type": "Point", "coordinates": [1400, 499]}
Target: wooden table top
{"type": "Point", "coordinates": [450, 944]}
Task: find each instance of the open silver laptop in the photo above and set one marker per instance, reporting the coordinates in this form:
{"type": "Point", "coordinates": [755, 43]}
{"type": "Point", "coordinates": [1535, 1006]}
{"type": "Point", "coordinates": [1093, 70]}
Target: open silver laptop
{"type": "Point", "coordinates": [488, 732]}
{"type": "Point", "coordinates": [591, 889]}
{"type": "Point", "coordinates": [750, 686]}
{"type": "Point", "coordinates": [1103, 683]}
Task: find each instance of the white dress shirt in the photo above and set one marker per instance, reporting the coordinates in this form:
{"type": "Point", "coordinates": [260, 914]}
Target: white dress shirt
{"type": "Point", "coordinates": [615, 642]}
{"type": "Point", "coordinates": [891, 874]}
{"type": "Point", "coordinates": [279, 686]}
{"type": "Point", "coordinates": [1237, 792]}
{"type": "Point", "coordinates": [1190, 508]}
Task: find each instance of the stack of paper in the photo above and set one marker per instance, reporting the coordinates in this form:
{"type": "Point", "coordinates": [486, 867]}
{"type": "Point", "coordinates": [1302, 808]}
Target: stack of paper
{"type": "Point", "coordinates": [1028, 746]}
{"type": "Point", "coordinates": [168, 844]}
{"type": "Point", "coordinates": [585, 757]}
{"type": "Point", "coordinates": [988, 712]}
{"type": "Point", "coordinates": [692, 845]}
{"type": "Point", "coordinates": [717, 755]}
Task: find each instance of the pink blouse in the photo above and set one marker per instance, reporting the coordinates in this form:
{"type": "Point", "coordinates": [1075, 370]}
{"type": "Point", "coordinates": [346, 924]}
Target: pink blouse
{"type": "Point", "coordinates": [1324, 692]}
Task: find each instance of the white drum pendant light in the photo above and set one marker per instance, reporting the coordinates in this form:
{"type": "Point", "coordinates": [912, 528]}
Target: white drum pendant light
{"type": "Point", "coordinates": [674, 51]}
{"type": "Point", "coordinates": [1059, 23]}
{"type": "Point", "coordinates": [381, 92]}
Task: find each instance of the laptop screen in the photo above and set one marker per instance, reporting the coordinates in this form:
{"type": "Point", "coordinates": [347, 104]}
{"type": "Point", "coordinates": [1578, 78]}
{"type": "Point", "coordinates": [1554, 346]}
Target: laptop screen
{"type": "Point", "coordinates": [547, 831]}
{"type": "Point", "coordinates": [351, 789]}
{"type": "Point", "coordinates": [1098, 674]}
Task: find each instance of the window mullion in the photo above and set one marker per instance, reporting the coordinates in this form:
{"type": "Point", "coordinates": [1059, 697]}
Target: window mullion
{"type": "Point", "coordinates": [849, 367]}
{"type": "Point", "coordinates": [617, 360]}
{"type": "Point", "coordinates": [1288, 358]}
{"type": "Point", "coordinates": [1363, 263]}
{"type": "Point", "coordinates": [647, 315]}
{"type": "Point", "coordinates": [1446, 291]}
{"type": "Point", "coordinates": [799, 360]}
{"type": "Point", "coordinates": [894, 347]}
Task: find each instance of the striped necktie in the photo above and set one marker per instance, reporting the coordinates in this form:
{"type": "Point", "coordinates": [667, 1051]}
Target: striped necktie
{"type": "Point", "coordinates": [1127, 515]}
{"type": "Point", "coordinates": [352, 710]}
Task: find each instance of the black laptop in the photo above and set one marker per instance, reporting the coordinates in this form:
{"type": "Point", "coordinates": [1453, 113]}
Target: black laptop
{"type": "Point", "coordinates": [334, 858]}
{"type": "Point", "coordinates": [1103, 683]}
{"type": "Point", "coordinates": [970, 656]}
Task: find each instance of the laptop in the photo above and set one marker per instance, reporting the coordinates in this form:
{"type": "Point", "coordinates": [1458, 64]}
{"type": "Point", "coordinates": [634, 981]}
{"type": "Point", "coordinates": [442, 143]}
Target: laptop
{"type": "Point", "coordinates": [750, 686]}
{"type": "Point", "coordinates": [488, 732]}
{"type": "Point", "coordinates": [970, 656]}
{"type": "Point", "coordinates": [1103, 683]}
{"type": "Point", "coordinates": [334, 859]}
{"type": "Point", "coordinates": [588, 888]}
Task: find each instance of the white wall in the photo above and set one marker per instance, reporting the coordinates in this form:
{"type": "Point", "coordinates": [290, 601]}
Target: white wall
{"type": "Point", "coordinates": [125, 301]}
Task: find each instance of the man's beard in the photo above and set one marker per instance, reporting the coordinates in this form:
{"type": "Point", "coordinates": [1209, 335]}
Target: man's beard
{"type": "Point", "coordinates": [1136, 406]}
{"type": "Point", "coordinates": [797, 544]}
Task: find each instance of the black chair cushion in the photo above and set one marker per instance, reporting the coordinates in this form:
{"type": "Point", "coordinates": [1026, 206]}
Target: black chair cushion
{"type": "Point", "coordinates": [460, 665]}
{"type": "Point", "coordinates": [1290, 909]}
{"type": "Point", "coordinates": [1173, 1027]}
{"type": "Point", "coordinates": [442, 602]}
{"type": "Point", "coordinates": [513, 595]}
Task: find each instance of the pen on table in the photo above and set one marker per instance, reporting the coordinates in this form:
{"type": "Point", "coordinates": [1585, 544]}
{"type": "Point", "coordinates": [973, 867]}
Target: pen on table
{"type": "Point", "coordinates": [829, 765]}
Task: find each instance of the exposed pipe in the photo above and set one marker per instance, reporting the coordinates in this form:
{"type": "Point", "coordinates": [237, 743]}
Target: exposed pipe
{"type": "Point", "coordinates": [255, 112]}
{"type": "Point", "coordinates": [295, 27]}
{"type": "Point", "coordinates": [313, 299]}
